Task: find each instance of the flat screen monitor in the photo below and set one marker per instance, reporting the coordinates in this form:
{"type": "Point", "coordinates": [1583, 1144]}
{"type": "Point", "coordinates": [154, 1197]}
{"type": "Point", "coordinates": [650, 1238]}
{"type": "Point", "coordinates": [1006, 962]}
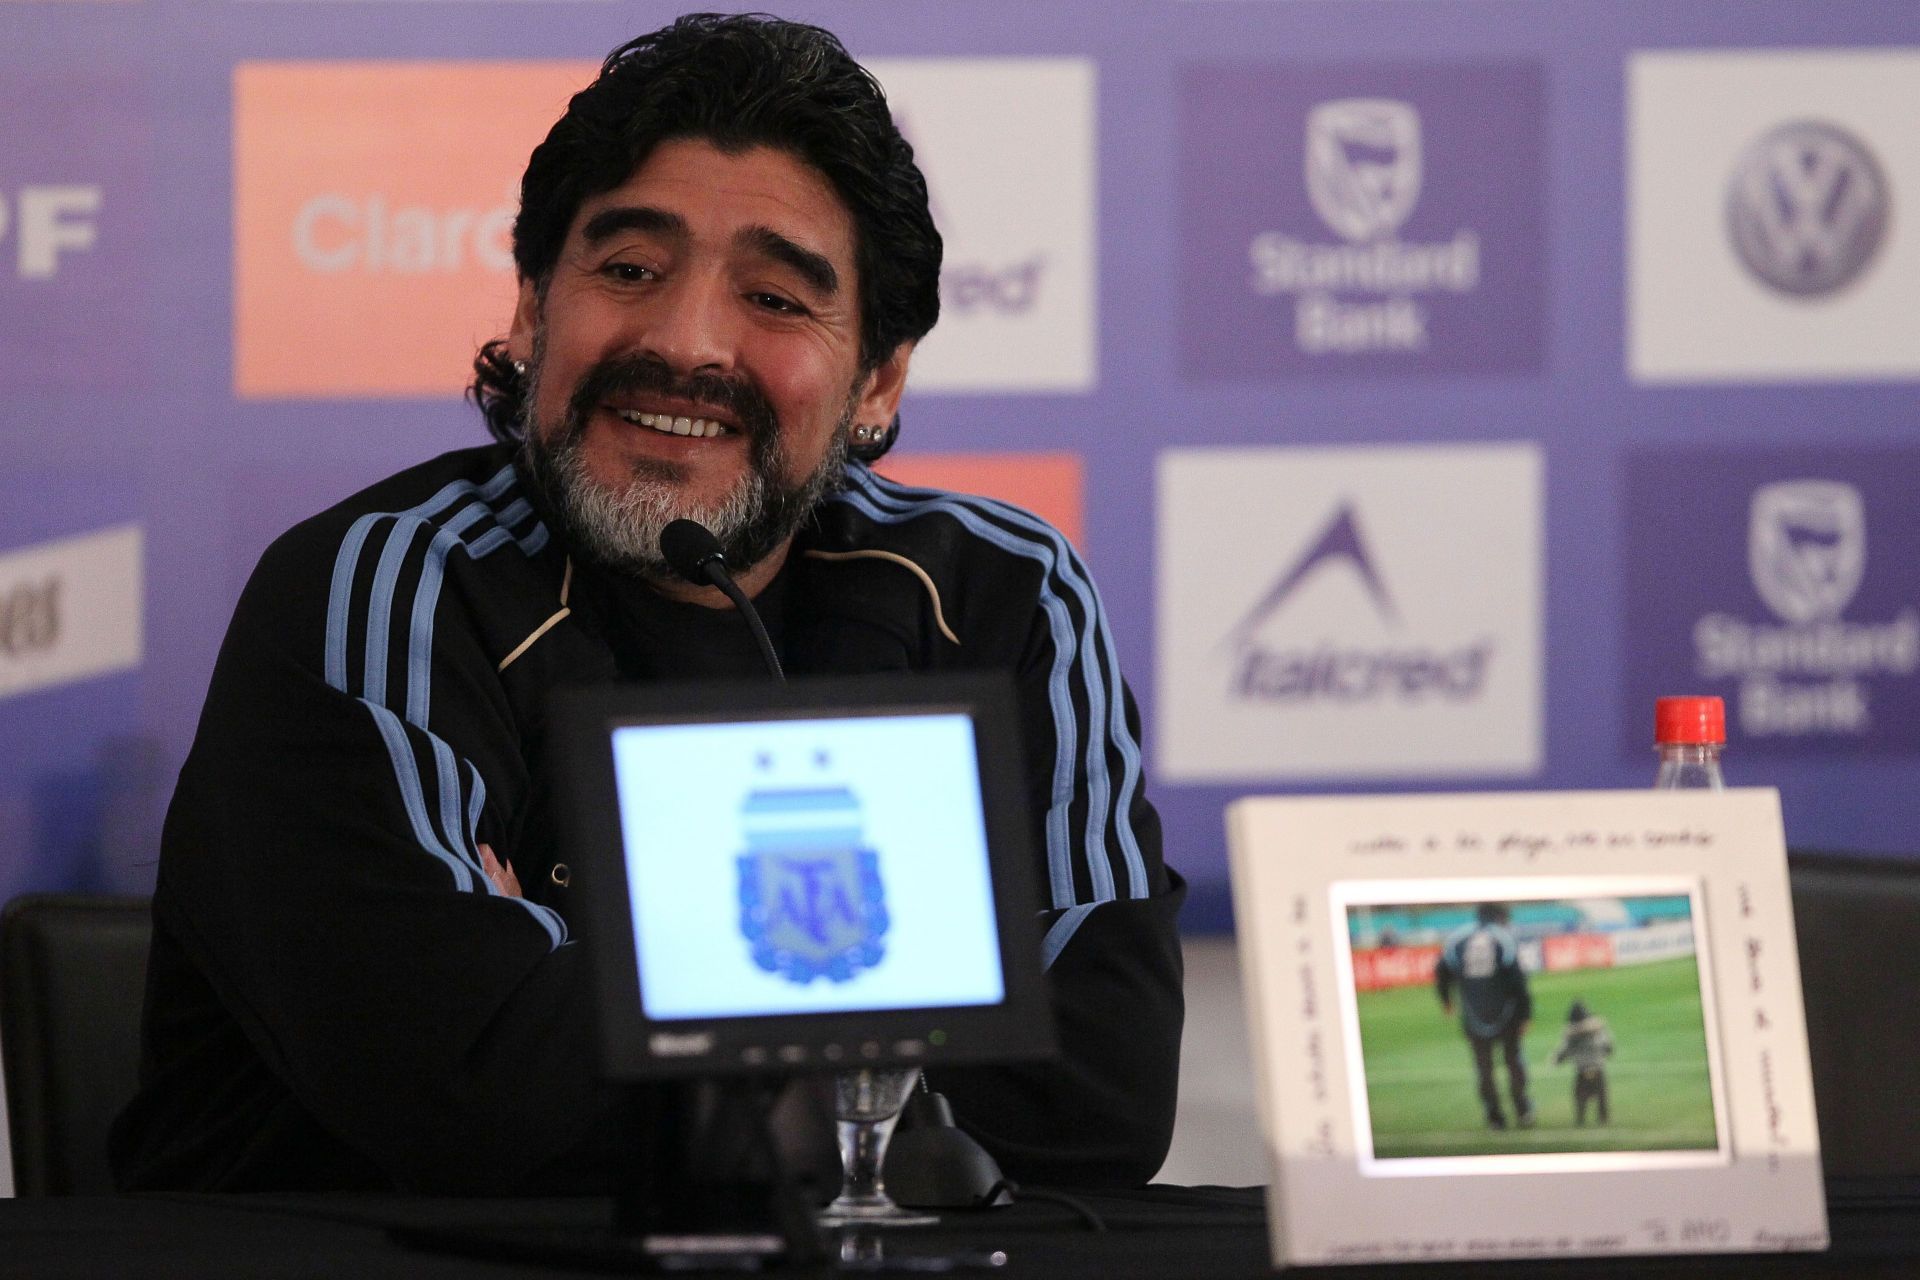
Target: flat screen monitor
{"type": "Point", "coordinates": [815, 875]}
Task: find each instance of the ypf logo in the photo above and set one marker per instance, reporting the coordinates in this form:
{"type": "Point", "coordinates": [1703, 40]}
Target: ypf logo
{"type": "Point", "coordinates": [1363, 165]}
{"type": "Point", "coordinates": [1807, 547]}
{"type": "Point", "coordinates": [48, 223]}
{"type": "Point", "coordinates": [1807, 208]}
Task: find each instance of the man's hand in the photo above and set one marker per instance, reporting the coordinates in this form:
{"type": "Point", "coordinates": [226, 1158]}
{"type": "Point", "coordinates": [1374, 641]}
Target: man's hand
{"type": "Point", "coordinates": [501, 873]}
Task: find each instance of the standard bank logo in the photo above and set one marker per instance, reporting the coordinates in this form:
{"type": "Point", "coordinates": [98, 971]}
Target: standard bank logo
{"type": "Point", "coordinates": [1810, 671]}
{"type": "Point", "coordinates": [1363, 177]}
{"type": "Point", "coordinates": [1807, 547]}
{"type": "Point", "coordinates": [1362, 219]}
{"type": "Point", "coordinates": [1383, 619]}
{"type": "Point", "coordinates": [1363, 165]}
{"type": "Point", "coordinates": [1797, 601]}
{"type": "Point", "coordinates": [1807, 208]}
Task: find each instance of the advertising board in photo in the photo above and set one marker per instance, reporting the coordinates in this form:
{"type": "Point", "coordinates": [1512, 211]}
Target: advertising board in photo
{"type": "Point", "coordinates": [1796, 598]}
{"type": "Point", "coordinates": [1772, 198]}
{"type": "Point", "coordinates": [70, 609]}
{"type": "Point", "coordinates": [1050, 485]}
{"type": "Point", "coordinates": [1007, 147]}
{"type": "Point", "coordinates": [372, 250]}
{"type": "Point", "coordinates": [75, 209]}
{"type": "Point", "coordinates": [1362, 612]}
{"type": "Point", "coordinates": [1362, 219]}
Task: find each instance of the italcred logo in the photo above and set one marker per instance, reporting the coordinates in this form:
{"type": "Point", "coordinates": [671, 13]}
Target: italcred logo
{"type": "Point", "coordinates": [1807, 208]}
{"type": "Point", "coordinates": [71, 609]}
{"type": "Point", "coordinates": [1807, 673]}
{"type": "Point", "coordinates": [976, 284]}
{"type": "Point", "coordinates": [811, 901]}
{"type": "Point", "coordinates": [1363, 175]}
{"type": "Point", "coordinates": [1348, 673]}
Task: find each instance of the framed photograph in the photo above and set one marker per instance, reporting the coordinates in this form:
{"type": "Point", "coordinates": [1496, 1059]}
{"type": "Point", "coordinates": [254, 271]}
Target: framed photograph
{"type": "Point", "coordinates": [1526, 1025]}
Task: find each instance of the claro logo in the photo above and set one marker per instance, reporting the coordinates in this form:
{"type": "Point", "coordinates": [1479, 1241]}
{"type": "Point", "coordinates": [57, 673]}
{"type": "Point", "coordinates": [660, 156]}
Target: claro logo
{"type": "Point", "coordinates": [29, 617]}
{"type": "Point", "coordinates": [334, 233]}
{"type": "Point", "coordinates": [372, 247]}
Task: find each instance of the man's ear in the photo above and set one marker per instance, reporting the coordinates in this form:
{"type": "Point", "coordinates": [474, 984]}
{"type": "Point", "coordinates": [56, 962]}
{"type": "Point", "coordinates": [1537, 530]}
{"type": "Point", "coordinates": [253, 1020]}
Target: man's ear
{"type": "Point", "coordinates": [880, 395]}
{"type": "Point", "coordinates": [526, 319]}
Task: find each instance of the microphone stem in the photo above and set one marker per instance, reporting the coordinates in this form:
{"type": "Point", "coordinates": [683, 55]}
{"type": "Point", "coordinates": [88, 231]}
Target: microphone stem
{"type": "Point", "coordinates": [724, 580]}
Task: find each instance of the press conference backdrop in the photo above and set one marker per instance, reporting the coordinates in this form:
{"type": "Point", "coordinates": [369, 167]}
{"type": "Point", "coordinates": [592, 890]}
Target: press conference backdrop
{"type": "Point", "coordinates": [1430, 384]}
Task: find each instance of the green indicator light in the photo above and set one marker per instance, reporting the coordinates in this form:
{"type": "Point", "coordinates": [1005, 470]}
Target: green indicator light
{"type": "Point", "coordinates": [936, 1037]}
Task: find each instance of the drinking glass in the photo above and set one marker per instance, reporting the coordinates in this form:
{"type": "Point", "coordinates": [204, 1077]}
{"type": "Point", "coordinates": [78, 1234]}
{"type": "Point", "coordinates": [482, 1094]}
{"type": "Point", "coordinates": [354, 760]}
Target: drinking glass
{"type": "Point", "coordinates": [866, 1106]}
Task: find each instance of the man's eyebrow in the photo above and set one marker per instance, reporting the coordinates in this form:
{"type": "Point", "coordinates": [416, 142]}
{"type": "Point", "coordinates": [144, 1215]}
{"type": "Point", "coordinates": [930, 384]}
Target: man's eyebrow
{"type": "Point", "coordinates": [633, 217]}
{"type": "Point", "coordinates": [813, 267]}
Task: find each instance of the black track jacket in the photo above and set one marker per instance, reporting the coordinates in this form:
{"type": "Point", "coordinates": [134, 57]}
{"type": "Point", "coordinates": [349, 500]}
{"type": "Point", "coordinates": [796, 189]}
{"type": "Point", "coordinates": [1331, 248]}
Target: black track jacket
{"type": "Point", "coordinates": [338, 999]}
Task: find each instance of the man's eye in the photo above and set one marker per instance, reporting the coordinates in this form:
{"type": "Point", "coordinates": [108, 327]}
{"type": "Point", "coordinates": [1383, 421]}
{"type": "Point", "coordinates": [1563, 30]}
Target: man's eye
{"type": "Point", "coordinates": [775, 302]}
{"type": "Point", "coordinates": [631, 272]}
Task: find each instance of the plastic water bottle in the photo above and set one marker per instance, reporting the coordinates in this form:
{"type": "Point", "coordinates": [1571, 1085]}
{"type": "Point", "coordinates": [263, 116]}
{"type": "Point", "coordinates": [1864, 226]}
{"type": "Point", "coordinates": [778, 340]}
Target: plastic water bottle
{"type": "Point", "coordinates": [1689, 734]}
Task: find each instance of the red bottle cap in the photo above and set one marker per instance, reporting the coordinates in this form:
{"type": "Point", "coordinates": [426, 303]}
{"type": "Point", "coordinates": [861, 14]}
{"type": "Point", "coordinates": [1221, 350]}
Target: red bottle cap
{"type": "Point", "coordinates": [1690, 720]}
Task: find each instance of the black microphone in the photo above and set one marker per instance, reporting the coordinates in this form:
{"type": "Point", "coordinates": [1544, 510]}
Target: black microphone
{"type": "Point", "coordinates": [692, 551]}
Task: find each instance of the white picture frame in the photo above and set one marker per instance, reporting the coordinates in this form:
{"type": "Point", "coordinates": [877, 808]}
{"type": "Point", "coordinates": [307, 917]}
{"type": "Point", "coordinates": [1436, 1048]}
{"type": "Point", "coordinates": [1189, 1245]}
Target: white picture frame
{"type": "Point", "coordinates": [1672, 908]}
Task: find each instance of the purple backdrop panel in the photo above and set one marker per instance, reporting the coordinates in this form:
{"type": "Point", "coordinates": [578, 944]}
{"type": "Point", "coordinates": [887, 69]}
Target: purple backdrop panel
{"type": "Point", "coordinates": [1362, 219]}
{"type": "Point", "coordinates": [1784, 581]}
{"type": "Point", "coordinates": [75, 203]}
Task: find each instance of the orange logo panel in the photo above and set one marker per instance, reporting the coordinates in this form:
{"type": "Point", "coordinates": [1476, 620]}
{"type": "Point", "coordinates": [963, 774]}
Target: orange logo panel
{"type": "Point", "coordinates": [373, 204]}
{"type": "Point", "coordinates": [1051, 485]}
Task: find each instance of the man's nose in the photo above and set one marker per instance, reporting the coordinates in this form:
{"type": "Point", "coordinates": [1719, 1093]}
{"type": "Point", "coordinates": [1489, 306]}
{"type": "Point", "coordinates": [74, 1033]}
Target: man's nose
{"type": "Point", "coordinates": [690, 327]}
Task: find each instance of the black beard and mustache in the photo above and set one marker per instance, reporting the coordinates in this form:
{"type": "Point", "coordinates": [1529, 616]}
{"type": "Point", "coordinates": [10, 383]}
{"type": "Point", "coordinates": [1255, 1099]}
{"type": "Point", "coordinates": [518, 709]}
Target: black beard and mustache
{"type": "Point", "coordinates": [621, 525]}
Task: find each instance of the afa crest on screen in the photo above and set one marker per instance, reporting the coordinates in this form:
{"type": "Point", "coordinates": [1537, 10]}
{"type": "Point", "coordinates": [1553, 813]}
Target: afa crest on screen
{"type": "Point", "coordinates": [812, 904]}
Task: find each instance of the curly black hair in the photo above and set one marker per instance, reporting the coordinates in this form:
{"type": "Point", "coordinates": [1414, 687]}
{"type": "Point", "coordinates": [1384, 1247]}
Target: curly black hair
{"type": "Point", "coordinates": [736, 81]}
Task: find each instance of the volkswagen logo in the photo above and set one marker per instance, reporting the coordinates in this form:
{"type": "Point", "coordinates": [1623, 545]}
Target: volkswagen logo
{"type": "Point", "coordinates": [1807, 208]}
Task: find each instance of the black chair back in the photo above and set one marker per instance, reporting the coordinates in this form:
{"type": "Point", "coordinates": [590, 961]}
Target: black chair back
{"type": "Point", "coordinates": [72, 981]}
{"type": "Point", "coordinates": [1858, 923]}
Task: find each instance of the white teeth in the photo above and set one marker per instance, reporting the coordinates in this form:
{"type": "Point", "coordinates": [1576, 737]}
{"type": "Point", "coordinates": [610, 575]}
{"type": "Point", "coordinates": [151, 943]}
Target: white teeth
{"type": "Point", "coordinates": [666, 422]}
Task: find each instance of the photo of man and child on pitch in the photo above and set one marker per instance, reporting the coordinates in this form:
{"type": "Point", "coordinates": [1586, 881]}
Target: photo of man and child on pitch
{"type": "Point", "coordinates": [1532, 1026]}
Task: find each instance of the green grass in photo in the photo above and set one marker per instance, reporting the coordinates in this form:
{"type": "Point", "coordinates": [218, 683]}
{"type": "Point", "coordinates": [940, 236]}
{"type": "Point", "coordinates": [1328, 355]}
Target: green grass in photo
{"type": "Point", "coordinates": [1420, 1080]}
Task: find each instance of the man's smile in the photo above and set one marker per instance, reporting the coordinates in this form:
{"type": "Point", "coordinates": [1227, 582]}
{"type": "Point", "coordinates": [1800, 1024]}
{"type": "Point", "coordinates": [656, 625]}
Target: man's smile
{"type": "Point", "coordinates": [675, 424]}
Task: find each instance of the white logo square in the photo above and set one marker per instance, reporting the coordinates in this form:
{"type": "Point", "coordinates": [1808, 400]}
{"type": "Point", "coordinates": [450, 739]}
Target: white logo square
{"type": "Point", "coordinates": [71, 609]}
{"type": "Point", "coordinates": [1350, 612]}
{"type": "Point", "coordinates": [1771, 202]}
{"type": "Point", "coordinates": [1007, 147]}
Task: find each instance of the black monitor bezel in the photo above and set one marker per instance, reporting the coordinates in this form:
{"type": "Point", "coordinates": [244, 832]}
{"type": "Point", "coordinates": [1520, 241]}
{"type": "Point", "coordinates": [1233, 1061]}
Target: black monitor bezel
{"type": "Point", "coordinates": [1020, 1027]}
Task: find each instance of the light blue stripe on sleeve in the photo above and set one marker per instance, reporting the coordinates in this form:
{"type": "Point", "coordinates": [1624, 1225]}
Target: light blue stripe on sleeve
{"type": "Point", "coordinates": [1062, 932]}
{"type": "Point", "coordinates": [1067, 565]}
{"type": "Point", "coordinates": [394, 734]}
{"type": "Point", "coordinates": [1056, 557]}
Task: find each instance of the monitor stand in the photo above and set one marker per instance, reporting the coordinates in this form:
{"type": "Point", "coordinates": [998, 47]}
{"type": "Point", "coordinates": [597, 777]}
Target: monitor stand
{"type": "Point", "coordinates": [706, 1183]}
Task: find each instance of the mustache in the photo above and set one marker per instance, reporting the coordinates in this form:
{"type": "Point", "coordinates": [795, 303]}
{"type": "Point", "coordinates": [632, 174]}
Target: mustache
{"type": "Point", "coordinates": [734, 395]}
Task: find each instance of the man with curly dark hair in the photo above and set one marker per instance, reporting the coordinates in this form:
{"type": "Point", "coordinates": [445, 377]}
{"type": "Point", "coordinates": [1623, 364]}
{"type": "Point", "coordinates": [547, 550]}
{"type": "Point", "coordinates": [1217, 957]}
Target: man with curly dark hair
{"type": "Point", "coordinates": [363, 972]}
